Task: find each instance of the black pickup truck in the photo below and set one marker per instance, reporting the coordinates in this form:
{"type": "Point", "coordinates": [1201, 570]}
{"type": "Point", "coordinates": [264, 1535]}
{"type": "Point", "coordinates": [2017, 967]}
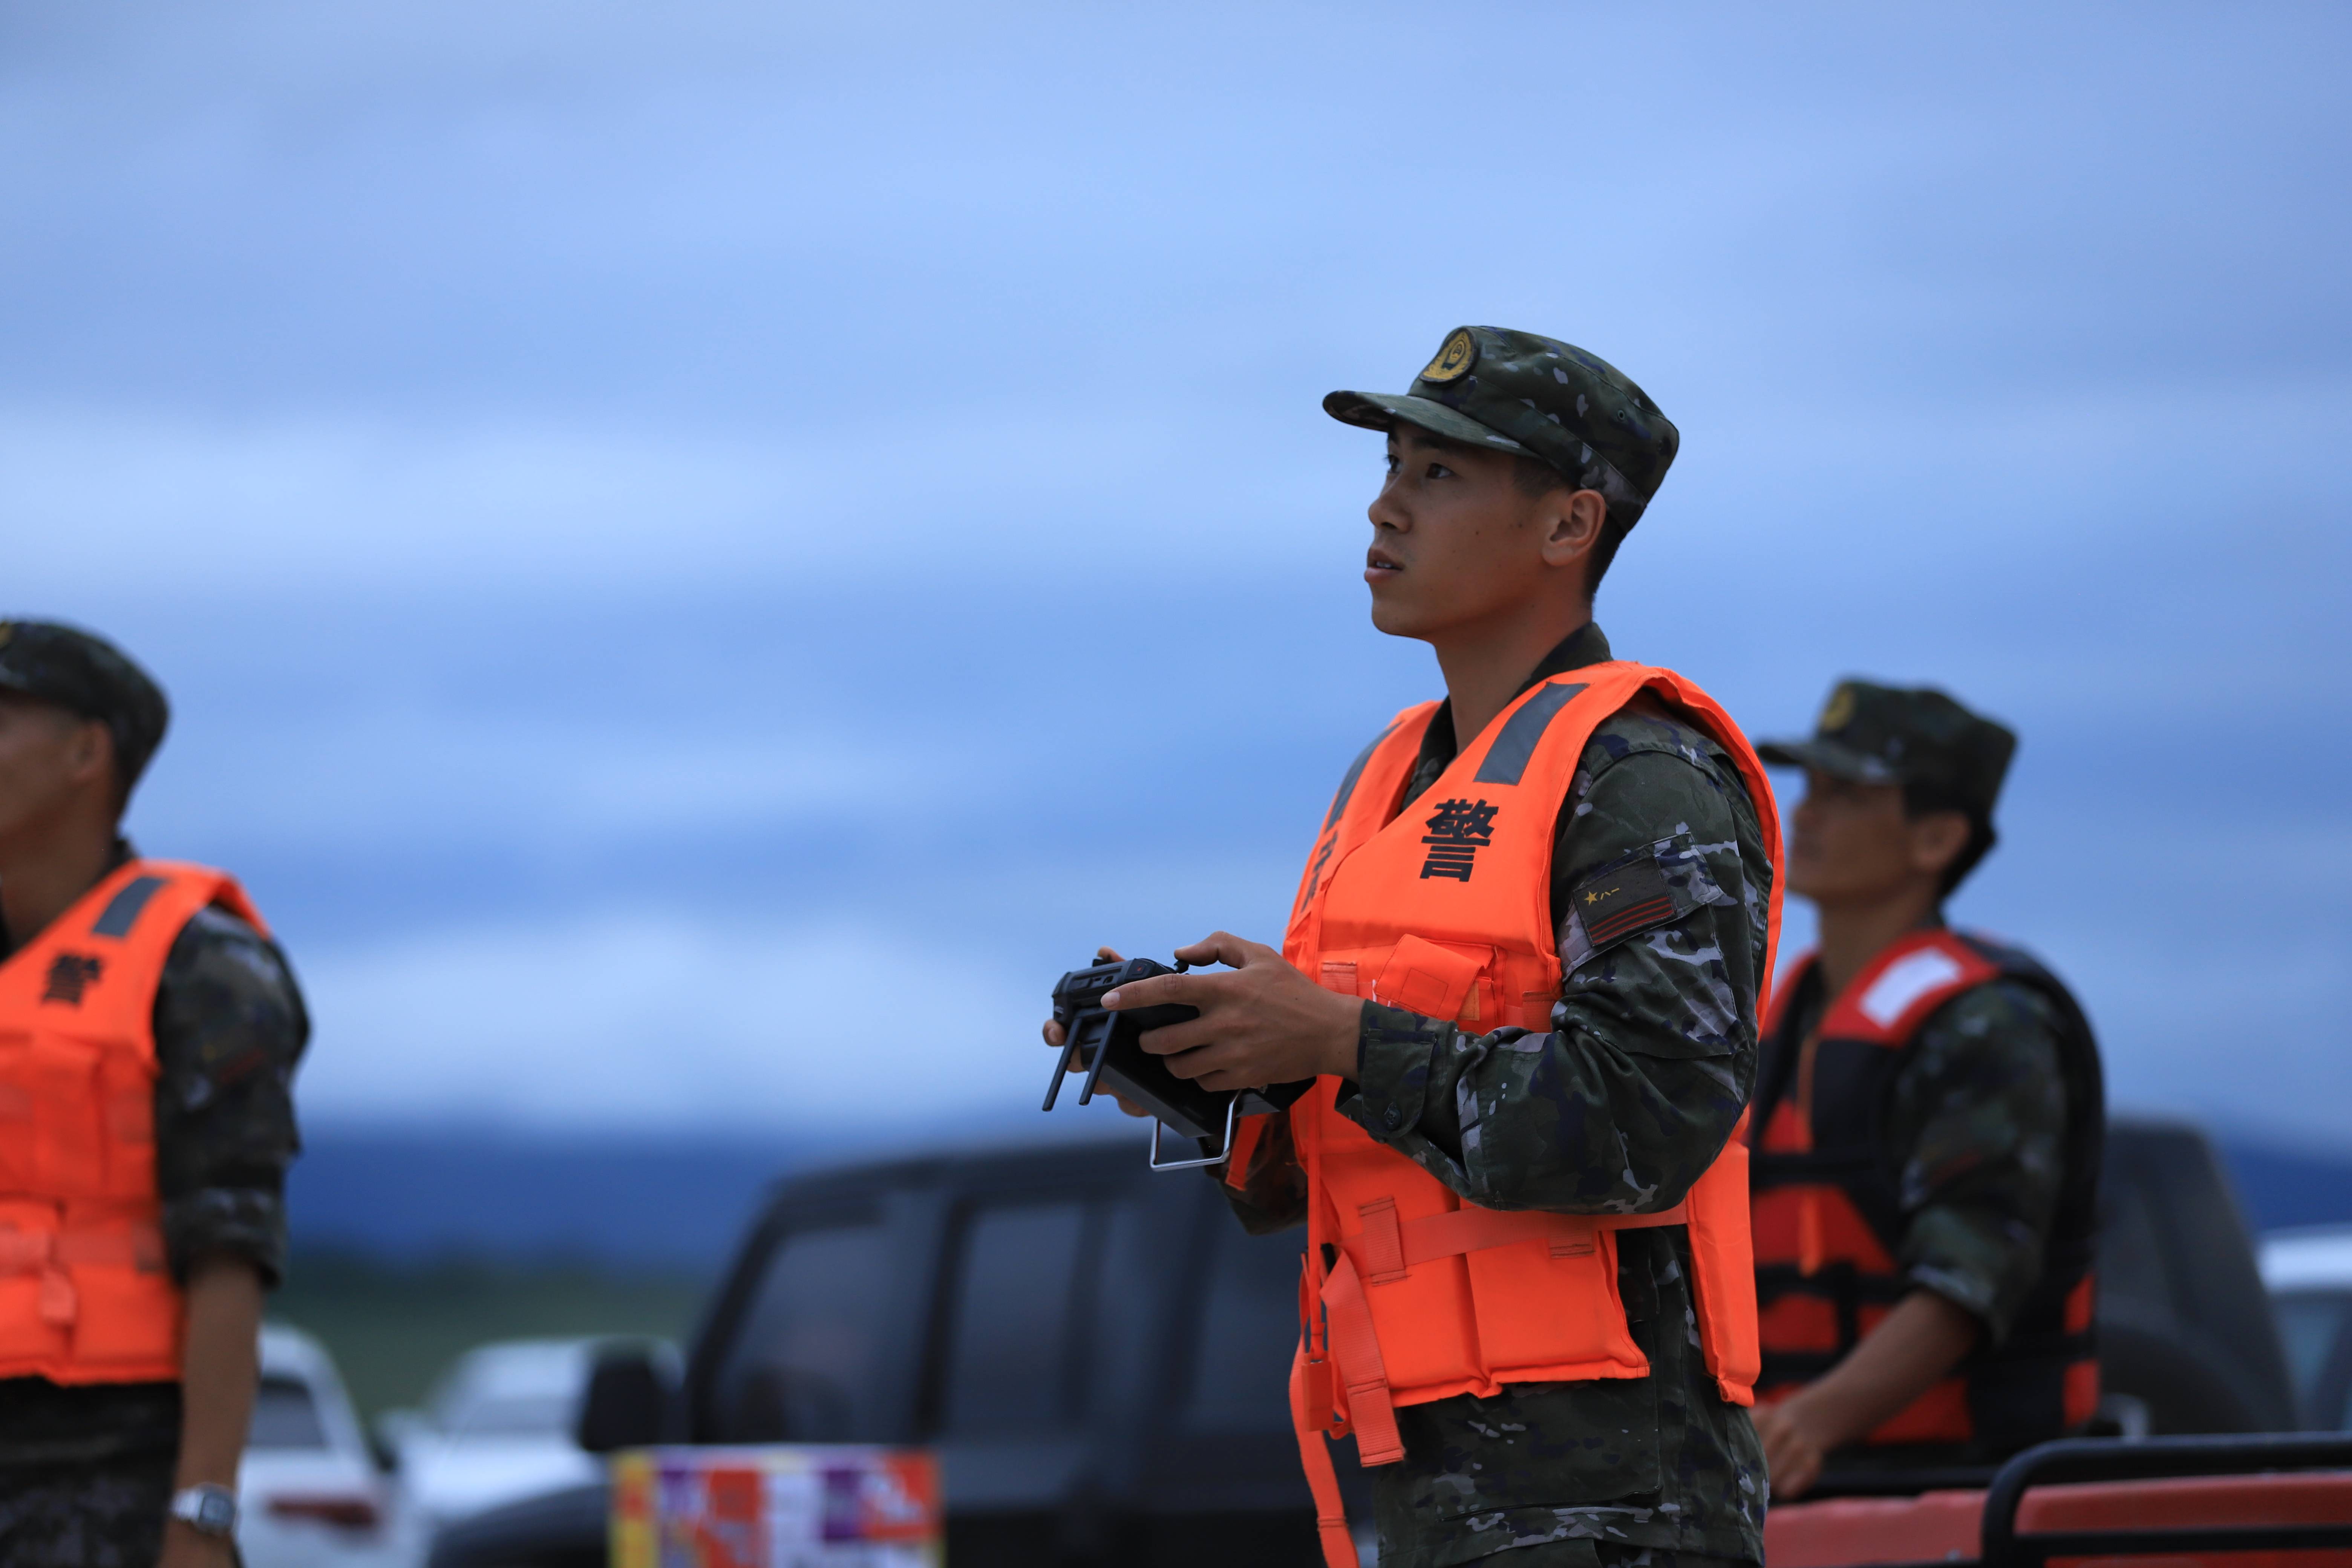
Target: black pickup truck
{"type": "Point", "coordinates": [1099, 1354]}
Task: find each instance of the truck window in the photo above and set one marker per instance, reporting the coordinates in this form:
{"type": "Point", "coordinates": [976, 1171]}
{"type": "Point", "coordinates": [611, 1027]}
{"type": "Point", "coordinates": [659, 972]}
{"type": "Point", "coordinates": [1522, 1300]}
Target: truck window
{"type": "Point", "coordinates": [285, 1417]}
{"type": "Point", "coordinates": [1009, 1350]}
{"type": "Point", "coordinates": [803, 1366]}
{"type": "Point", "coordinates": [1249, 1325]}
{"type": "Point", "coordinates": [2315, 1330]}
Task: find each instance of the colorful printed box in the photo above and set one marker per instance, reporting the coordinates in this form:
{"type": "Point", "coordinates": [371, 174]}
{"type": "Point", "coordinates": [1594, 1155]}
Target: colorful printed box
{"type": "Point", "coordinates": [782, 1507]}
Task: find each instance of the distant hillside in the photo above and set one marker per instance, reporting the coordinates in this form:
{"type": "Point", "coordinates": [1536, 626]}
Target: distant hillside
{"type": "Point", "coordinates": [677, 1205]}
{"type": "Point", "coordinates": [2280, 1186]}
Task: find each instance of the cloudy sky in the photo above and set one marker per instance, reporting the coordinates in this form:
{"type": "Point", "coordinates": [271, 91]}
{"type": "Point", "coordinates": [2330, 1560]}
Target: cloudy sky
{"type": "Point", "coordinates": [704, 552]}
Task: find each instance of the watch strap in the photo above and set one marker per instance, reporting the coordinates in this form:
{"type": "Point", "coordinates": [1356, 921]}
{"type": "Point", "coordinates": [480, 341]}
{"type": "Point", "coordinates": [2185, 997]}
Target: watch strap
{"type": "Point", "coordinates": [207, 1509]}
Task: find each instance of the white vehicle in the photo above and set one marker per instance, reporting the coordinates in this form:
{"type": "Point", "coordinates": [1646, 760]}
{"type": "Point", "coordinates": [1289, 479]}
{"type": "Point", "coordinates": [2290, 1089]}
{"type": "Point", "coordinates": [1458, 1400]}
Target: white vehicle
{"type": "Point", "coordinates": [308, 1495]}
{"type": "Point", "coordinates": [2308, 1272]}
{"type": "Point", "coordinates": [496, 1428]}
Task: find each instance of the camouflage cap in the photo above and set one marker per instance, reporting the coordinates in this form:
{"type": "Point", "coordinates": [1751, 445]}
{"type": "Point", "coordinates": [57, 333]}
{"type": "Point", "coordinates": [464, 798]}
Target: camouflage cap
{"type": "Point", "coordinates": [1515, 392]}
{"type": "Point", "coordinates": [89, 676]}
{"type": "Point", "coordinates": [1891, 734]}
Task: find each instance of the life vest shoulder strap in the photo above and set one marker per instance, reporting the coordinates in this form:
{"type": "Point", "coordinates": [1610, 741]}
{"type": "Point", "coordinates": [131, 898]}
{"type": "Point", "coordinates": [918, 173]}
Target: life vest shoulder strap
{"type": "Point", "coordinates": [1910, 979]}
{"type": "Point", "coordinates": [199, 887]}
{"type": "Point", "coordinates": [104, 955]}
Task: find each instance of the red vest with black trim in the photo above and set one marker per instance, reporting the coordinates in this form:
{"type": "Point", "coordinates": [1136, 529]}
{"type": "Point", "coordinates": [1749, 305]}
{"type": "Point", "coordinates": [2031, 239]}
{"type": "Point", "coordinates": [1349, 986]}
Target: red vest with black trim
{"type": "Point", "coordinates": [85, 1294]}
{"type": "Point", "coordinates": [1828, 1216]}
{"type": "Point", "coordinates": [1411, 1294]}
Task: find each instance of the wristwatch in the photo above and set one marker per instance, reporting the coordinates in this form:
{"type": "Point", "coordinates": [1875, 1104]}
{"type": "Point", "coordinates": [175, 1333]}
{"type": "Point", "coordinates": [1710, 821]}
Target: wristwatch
{"type": "Point", "coordinates": [206, 1509]}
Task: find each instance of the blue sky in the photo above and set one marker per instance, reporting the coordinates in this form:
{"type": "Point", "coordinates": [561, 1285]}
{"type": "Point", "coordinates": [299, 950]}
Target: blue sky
{"type": "Point", "coordinates": [704, 553]}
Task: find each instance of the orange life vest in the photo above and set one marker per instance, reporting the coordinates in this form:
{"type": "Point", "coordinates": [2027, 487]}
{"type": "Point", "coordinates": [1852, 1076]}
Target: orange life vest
{"type": "Point", "coordinates": [1828, 1213]}
{"type": "Point", "coordinates": [1411, 1294]}
{"type": "Point", "coordinates": [85, 1294]}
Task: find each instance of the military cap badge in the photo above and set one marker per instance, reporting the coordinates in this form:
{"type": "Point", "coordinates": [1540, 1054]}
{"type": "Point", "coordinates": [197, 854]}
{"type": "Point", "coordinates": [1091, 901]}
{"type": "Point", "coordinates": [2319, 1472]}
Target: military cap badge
{"type": "Point", "coordinates": [1454, 360]}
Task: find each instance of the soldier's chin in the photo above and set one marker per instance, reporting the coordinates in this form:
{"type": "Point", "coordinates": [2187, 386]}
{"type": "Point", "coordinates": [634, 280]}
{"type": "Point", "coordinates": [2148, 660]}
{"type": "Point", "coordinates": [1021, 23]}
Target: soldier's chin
{"type": "Point", "coordinates": [1398, 616]}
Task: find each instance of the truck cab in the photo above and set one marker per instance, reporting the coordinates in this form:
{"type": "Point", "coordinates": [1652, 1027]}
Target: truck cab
{"type": "Point", "coordinates": [1099, 1356]}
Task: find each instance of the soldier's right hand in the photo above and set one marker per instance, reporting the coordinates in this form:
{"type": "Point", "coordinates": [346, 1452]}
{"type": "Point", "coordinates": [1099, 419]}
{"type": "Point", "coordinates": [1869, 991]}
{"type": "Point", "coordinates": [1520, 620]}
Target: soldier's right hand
{"type": "Point", "coordinates": [1057, 1038]}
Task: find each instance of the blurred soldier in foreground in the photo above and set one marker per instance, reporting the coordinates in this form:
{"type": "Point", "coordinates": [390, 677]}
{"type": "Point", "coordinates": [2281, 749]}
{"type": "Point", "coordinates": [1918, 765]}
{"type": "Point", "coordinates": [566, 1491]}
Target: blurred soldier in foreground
{"type": "Point", "coordinates": [149, 1032]}
{"type": "Point", "coordinates": [1523, 970]}
{"type": "Point", "coordinates": [1927, 1125]}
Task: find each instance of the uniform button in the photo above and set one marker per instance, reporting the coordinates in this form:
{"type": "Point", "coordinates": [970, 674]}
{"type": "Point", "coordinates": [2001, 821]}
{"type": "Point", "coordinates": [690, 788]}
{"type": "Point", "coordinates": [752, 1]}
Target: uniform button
{"type": "Point", "coordinates": [1392, 1119]}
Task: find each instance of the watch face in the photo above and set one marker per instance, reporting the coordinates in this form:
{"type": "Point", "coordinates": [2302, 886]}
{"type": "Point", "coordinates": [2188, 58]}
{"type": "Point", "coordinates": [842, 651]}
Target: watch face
{"type": "Point", "coordinates": [207, 1509]}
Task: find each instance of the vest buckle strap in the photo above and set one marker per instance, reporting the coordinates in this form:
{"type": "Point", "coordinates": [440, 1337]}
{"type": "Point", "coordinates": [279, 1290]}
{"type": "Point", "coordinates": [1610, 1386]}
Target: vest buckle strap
{"type": "Point", "coordinates": [46, 1252]}
{"type": "Point", "coordinates": [25, 1251]}
{"type": "Point", "coordinates": [59, 1303]}
{"type": "Point", "coordinates": [1387, 1246]}
{"type": "Point", "coordinates": [1382, 1247]}
{"type": "Point", "coordinates": [1362, 1371]}
{"type": "Point", "coordinates": [1322, 1480]}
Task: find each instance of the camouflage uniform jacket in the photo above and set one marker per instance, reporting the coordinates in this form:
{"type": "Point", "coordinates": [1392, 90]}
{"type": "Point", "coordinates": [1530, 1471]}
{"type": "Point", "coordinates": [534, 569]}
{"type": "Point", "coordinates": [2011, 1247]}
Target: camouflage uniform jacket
{"type": "Point", "coordinates": [1974, 1131]}
{"type": "Point", "coordinates": [229, 1028]}
{"type": "Point", "coordinates": [1620, 1108]}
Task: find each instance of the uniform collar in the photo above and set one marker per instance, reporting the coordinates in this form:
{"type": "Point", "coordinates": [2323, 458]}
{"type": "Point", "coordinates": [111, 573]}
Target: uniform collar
{"type": "Point", "coordinates": [1587, 645]}
{"type": "Point", "coordinates": [122, 856]}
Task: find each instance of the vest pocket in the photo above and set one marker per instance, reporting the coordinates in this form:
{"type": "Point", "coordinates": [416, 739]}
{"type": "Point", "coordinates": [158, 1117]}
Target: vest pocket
{"type": "Point", "coordinates": [69, 1142]}
{"type": "Point", "coordinates": [126, 1088]}
{"type": "Point", "coordinates": [1429, 978]}
{"type": "Point", "coordinates": [1540, 1307]}
{"type": "Point", "coordinates": [1423, 1331]}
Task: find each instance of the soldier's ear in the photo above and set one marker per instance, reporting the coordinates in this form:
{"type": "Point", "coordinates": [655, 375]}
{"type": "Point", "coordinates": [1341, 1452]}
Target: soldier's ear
{"type": "Point", "coordinates": [1571, 522]}
{"type": "Point", "coordinates": [89, 756]}
{"type": "Point", "coordinates": [1937, 839]}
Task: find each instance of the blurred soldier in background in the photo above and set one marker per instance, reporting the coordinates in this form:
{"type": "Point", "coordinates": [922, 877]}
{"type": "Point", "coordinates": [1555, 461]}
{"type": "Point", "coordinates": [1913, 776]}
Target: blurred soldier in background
{"type": "Point", "coordinates": [1927, 1125]}
{"type": "Point", "coordinates": [149, 1032]}
{"type": "Point", "coordinates": [1523, 970]}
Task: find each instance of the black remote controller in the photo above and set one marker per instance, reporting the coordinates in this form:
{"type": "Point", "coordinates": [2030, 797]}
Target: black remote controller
{"type": "Point", "coordinates": [1107, 1048]}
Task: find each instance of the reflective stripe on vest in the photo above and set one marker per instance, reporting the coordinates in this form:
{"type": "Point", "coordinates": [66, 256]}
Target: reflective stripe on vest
{"type": "Point", "coordinates": [1445, 910]}
{"type": "Point", "coordinates": [85, 1294]}
{"type": "Point", "coordinates": [1825, 1220]}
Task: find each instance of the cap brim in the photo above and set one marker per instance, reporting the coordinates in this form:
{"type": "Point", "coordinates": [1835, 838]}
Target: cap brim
{"type": "Point", "coordinates": [1838, 761]}
{"type": "Point", "coordinates": [1381, 411]}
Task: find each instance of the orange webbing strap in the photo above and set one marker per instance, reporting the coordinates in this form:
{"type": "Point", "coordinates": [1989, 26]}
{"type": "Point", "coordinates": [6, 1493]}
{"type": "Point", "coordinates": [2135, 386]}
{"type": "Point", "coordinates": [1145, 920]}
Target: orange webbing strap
{"type": "Point", "coordinates": [1389, 1247]}
{"type": "Point", "coordinates": [36, 1252]}
{"type": "Point", "coordinates": [49, 1254]}
{"type": "Point", "coordinates": [1810, 1248]}
{"type": "Point", "coordinates": [1322, 1480]}
{"type": "Point", "coordinates": [1723, 1272]}
{"type": "Point", "coordinates": [1237, 1158]}
{"type": "Point", "coordinates": [1364, 1374]}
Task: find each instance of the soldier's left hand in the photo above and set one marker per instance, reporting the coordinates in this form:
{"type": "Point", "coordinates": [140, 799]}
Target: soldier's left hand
{"type": "Point", "coordinates": [1793, 1454]}
{"type": "Point", "coordinates": [1261, 1022]}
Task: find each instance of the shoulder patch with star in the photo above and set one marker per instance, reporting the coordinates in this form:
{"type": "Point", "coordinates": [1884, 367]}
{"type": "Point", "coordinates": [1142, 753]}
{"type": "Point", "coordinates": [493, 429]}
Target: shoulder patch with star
{"type": "Point", "coordinates": [1650, 887]}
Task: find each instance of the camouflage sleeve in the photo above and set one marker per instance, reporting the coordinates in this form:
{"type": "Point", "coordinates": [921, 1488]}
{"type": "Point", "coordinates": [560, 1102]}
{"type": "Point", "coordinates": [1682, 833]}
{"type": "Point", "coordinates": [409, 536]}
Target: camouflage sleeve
{"type": "Point", "coordinates": [1652, 1050]}
{"type": "Point", "coordinates": [1981, 1106]}
{"type": "Point", "coordinates": [229, 1028]}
